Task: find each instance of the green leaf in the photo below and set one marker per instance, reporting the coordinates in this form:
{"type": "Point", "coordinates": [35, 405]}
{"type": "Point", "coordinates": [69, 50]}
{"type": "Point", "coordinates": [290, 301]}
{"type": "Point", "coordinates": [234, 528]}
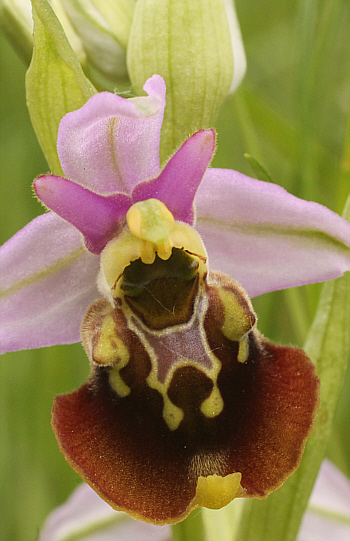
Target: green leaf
{"type": "Point", "coordinates": [328, 345]}
{"type": "Point", "coordinates": [188, 43]}
{"type": "Point", "coordinates": [55, 81]}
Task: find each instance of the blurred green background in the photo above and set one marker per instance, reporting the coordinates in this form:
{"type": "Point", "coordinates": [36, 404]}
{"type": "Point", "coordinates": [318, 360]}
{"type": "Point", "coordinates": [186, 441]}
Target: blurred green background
{"type": "Point", "coordinates": [291, 115]}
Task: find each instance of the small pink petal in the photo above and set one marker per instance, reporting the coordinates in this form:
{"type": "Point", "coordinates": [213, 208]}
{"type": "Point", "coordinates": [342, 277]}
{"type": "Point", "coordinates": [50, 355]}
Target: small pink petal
{"type": "Point", "coordinates": [97, 217]}
{"type": "Point", "coordinates": [178, 183]}
{"type": "Point", "coordinates": [264, 237]}
{"type": "Point", "coordinates": [86, 511]}
{"type": "Point", "coordinates": [48, 282]}
{"type": "Point", "coordinates": [112, 143]}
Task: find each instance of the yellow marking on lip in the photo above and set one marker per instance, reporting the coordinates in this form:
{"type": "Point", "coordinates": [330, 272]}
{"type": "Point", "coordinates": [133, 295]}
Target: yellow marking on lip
{"type": "Point", "coordinates": [109, 347]}
{"type": "Point", "coordinates": [216, 491]}
{"type": "Point", "coordinates": [172, 414]}
{"type": "Point", "coordinates": [243, 350]}
{"type": "Point", "coordinates": [214, 404]}
{"type": "Point", "coordinates": [238, 318]}
{"type": "Point", "coordinates": [111, 350]}
{"type": "Point", "coordinates": [116, 382]}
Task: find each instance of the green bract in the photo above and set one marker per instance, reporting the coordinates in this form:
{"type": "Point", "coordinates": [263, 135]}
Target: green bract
{"type": "Point", "coordinates": [55, 81]}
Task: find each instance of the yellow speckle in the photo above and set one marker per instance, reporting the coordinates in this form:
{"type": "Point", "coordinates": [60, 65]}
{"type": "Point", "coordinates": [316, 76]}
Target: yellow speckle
{"type": "Point", "coordinates": [215, 491]}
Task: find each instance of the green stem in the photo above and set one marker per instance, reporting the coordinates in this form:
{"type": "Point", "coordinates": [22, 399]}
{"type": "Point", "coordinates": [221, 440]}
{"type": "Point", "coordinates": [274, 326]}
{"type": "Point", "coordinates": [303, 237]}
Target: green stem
{"type": "Point", "coordinates": [191, 529]}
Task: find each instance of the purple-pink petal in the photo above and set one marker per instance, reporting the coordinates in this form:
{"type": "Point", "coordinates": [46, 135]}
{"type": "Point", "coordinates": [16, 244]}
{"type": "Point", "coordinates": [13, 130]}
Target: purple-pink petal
{"type": "Point", "coordinates": [48, 282]}
{"type": "Point", "coordinates": [112, 143]}
{"type": "Point", "coordinates": [97, 217]}
{"type": "Point", "coordinates": [328, 515]}
{"type": "Point", "coordinates": [86, 512]}
{"type": "Point", "coordinates": [266, 238]}
{"type": "Point", "coordinates": [178, 183]}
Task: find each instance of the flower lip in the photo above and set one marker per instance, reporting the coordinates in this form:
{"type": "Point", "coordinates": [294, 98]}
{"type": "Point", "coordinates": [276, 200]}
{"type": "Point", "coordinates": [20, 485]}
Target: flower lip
{"type": "Point", "coordinates": [134, 453]}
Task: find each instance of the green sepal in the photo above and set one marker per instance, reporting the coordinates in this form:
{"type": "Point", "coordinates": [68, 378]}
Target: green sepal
{"type": "Point", "coordinates": [55, 81]}
{"type": "Point", "coordinates": [188, 43]}
{"type": "Point", "coordinates": [328, 345]}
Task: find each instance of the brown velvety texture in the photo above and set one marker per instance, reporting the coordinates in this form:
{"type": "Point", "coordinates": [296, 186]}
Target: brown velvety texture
{"type": "Point", "coordinates": [125, 450]}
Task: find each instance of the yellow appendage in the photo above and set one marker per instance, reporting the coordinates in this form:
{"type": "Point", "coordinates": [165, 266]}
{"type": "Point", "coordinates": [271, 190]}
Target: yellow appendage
{"type": "Point", "coordinates": [215, 491]}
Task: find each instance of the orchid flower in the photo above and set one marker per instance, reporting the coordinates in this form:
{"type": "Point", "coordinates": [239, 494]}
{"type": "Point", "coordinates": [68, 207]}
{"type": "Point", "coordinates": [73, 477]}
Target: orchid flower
{"type": "Point", "coordinates": [327, 516]}
{"type": "Point", "coordinates": [187, 404]}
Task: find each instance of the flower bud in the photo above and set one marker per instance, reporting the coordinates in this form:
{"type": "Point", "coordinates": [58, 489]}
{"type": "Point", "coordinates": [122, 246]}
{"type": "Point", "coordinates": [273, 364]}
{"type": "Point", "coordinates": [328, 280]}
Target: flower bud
{"type": "Point", "coordinates": [17, 22]}
{"type": "Point", "coordinates": [97, 30]}
{"type": "Point", "coordinates": [103, 27]}
{"type": "Point", "coordinates": [196, 46]}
